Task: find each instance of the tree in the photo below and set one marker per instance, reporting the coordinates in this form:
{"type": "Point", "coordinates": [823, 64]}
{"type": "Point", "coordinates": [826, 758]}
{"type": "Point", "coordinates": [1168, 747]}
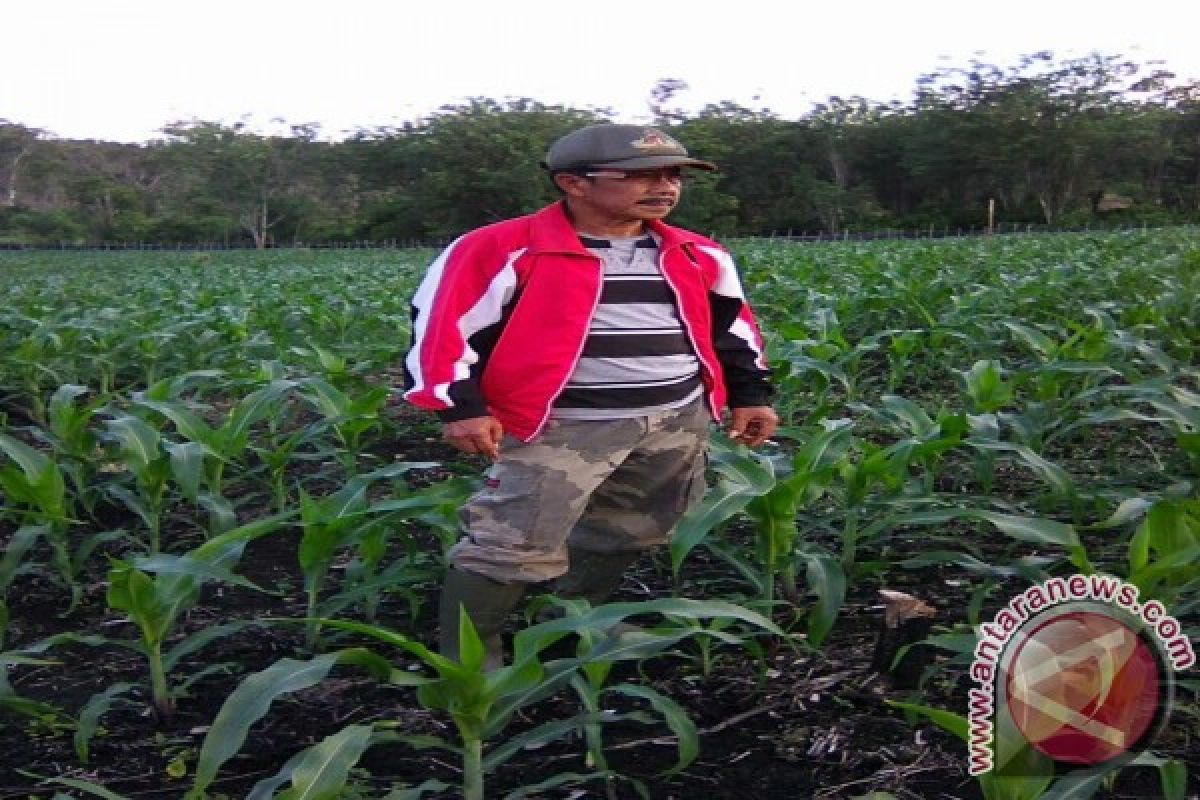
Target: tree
{"type": "Point", "coordinates": [248, 174]}
{"type": "Point", "coordinates": [479, 161]}
{"type": "Point", "coordinates": [1181, 168]}
{"type": "Point", "coordinates": [16, 143]}
{"type": "Point", "coordinates": [1048, 140]}
{"type": "Point", "coordinates": [662, 93]}
{"type": "Point", "coordinates": [1042, 130]}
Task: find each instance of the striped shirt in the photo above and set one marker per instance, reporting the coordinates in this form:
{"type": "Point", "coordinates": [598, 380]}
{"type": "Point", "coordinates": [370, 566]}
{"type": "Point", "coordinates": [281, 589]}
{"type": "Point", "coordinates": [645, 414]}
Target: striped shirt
{"type": "Point", "coordinates": [637, 359]}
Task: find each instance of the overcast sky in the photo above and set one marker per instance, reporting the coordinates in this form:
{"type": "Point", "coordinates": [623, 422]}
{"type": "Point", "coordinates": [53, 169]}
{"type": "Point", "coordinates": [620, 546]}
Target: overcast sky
{"type": "Point", "coordinates": [120, 69]}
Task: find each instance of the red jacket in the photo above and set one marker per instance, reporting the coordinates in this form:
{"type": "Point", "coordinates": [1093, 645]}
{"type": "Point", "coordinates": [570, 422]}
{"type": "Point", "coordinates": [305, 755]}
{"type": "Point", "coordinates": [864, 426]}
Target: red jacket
{"type": "Point", "coordinates": [500, 320]}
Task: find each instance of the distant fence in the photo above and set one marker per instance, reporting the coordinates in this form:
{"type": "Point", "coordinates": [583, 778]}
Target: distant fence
{"type": "Point", "coordinates": [949, 232]}
{"type": "Point", "coordinates": [791, 235]}
{"type": "Point", "coordinates": [384, 244]}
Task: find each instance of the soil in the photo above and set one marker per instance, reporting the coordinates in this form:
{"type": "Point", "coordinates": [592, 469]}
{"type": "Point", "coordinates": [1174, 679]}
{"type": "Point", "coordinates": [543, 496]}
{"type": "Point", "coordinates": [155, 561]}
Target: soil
{"type": "Point", "coordinates": [791, 722]}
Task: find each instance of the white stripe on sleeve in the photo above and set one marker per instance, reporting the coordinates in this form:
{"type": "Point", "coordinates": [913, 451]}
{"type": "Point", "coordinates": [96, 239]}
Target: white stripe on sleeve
{"type": "Point", "coordinates": [423, 302]}
{"type": "Point", "coordinates": [486, 311]}
{"type": "Point", "coordinates": [728, 284]}
{"type": "Point", "coordinates": [741, 329]}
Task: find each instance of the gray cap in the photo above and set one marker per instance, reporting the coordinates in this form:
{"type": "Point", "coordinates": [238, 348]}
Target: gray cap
{"type": "Point", "coordinates": [619, 147]}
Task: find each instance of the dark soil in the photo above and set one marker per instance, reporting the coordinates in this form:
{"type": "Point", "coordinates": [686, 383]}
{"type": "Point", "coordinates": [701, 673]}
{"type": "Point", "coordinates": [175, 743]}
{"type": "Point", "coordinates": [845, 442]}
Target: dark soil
{"type": "Point", "coordinates": [793, 723]}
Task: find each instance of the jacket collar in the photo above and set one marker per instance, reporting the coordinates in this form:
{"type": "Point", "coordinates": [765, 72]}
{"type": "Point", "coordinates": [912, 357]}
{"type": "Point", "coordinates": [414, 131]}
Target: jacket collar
{"type": "Point", "coordinates": [550, 231]}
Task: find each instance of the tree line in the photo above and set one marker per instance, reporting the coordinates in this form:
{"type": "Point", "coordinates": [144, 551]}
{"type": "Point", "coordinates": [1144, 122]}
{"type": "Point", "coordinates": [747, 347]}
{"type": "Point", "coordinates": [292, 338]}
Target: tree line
{"type": "Point", "coordinates": [1045, 141]}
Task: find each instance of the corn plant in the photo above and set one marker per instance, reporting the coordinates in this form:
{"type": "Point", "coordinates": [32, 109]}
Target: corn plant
{"type": "Point", "coordinates": [69, 432]}
{"type": "Point", "coordinates": [806, 381]}
{"type": "Point", "coordinates": [347, 519]}
{"type": "Point", "coordinates": [480, 703]}
{"type": "Point", "coordinates": [155, 604]}
{"type": "Point", "coordinates": [986, 387]}
{"type": "Point", "coordinates": [34, 485]}
{"type": "Point", "coordinates": [1022, 772]}
{"type": "Point", "coordinates": [925, 441]}
{"type": "Point", "coordinates": [350, 417]}
{"type": "Point", "coordinates": [32, 359]}
{"type": "Point", "coordinates": [332, 367]}
{"type": "Point", "coordinates": [590, 681]}
{"type": "Point", "coordinates": [902, 347]}
{"type": "Point", "coordinates": [878, 469]}
{"type": "Point", "coordinates": [278, 450]}
{"type": "Point", "coordinates": [771, 491]}
{"type": "Point", "coordinates": [140, 448]}
{"type": "Point", "coordinates": [219, 445]}
{"type": "Point", "coordinates": [1164, 554]}
{"type": "Point", "coordinates": [435, 508]}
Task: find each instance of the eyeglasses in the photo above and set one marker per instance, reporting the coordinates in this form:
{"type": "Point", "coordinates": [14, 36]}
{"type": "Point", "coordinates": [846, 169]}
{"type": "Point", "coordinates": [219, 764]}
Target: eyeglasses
{"type": "Point", "coordinates": [648, 176]}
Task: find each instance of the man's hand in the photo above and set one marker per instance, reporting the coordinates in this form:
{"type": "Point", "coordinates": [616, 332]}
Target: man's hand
{"type": "Point", "coordinates": [477, 435]}
{"type": "Point", "coordinates": [753, 425]}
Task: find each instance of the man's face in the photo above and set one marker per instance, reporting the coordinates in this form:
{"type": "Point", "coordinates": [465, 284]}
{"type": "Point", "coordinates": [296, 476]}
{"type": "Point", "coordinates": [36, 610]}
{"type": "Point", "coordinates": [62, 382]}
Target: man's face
{"type": "Point", "coordinates": [624, 196]}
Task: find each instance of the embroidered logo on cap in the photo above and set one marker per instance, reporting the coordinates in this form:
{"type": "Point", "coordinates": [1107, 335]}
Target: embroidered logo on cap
{"type": "Point", "coordinates": [654, 140]}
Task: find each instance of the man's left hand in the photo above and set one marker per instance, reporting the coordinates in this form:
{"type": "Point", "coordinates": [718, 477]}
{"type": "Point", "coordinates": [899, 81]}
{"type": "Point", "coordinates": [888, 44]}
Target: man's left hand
{"type": "Point", "coordinates": [753, 425]}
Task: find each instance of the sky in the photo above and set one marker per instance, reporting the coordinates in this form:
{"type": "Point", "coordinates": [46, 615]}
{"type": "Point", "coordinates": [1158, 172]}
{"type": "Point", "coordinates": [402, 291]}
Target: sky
{"type": "Point", "coordinates": [121, 69]}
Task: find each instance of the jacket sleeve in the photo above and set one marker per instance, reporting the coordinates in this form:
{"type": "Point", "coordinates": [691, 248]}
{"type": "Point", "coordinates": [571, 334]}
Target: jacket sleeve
{"type": "Point", "coordinates": [458, 313]}
{"type": "Point", "coordinates": [737, 339]}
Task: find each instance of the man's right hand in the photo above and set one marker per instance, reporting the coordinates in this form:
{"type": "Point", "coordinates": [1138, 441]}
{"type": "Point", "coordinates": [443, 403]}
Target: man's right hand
{"type": "Point", "coordinates": [477, 435]}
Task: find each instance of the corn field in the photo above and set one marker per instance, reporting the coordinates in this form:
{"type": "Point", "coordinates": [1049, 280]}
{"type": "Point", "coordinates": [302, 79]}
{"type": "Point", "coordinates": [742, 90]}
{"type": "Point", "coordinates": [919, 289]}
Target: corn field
{"type": "Point", "coordinates": [224, 533]}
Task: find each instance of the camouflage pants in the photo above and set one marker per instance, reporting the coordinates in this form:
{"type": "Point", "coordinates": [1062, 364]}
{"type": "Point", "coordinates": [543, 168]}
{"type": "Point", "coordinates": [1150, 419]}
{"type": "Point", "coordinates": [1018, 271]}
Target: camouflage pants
{"type": "Point", "coordinates": [603, 485]}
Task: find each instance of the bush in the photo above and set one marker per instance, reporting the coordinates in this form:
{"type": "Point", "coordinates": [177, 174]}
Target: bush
{"type": "Point", "coordinates": [25, 226]}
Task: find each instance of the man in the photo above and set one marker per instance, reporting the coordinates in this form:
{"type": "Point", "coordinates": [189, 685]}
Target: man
{"type": "Point", "coordinates": [585, 349]}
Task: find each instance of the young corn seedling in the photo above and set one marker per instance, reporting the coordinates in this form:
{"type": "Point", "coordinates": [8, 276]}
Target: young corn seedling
{"type": "Point", "coordinates": [708, 635]}
{"type": "Point", "coordinates": [986, 387]}
{"type": "Point", "coordinates": [435, 507]}
{"type": "Point", "coordinates": [33, 360]}
{"type": "Point", "coordinates": [155, 604]}
{"type": "Point", "coordinates": [902, 346]}
{"type": "Point", "coordinates": [69, 432]}
{"type": "Point", "coordinates": [807, 377]}
{"type": "Point", "coordinates": [590, 681]}
{"type": "Point", "coordinates": [140, 448]}
{"type": "Point", "coordinates": [480, 703]}
{"type": "Point", "coordinates": [36, 494]}
{"type": "Point", "coordinates": [1022, 772]}
{"type": "Point", "coordinates": [345, 519]}
{"type": "Point", "coordinates": [211, 449]}
{"type": "Point", "coordinates": [351, 418]}
{"type": "Point", "coordinates": [333, 368]}
{"type": "Point", "coordinates": [278, 451]}
{"type": "Point", "coordinates": [925, 440]}
{"type": "Point", "coordinates": [878, 471]}
{"type": "Point", "coordinates": [771, 490]}
{"type": "Point", "coordinates": [1164, 554]}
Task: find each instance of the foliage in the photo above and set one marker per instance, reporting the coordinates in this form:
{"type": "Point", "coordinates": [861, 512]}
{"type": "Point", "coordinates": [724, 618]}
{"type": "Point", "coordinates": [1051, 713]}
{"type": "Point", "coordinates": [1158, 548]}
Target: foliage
{"type": "Point", "coordinates": [1077, 142]}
